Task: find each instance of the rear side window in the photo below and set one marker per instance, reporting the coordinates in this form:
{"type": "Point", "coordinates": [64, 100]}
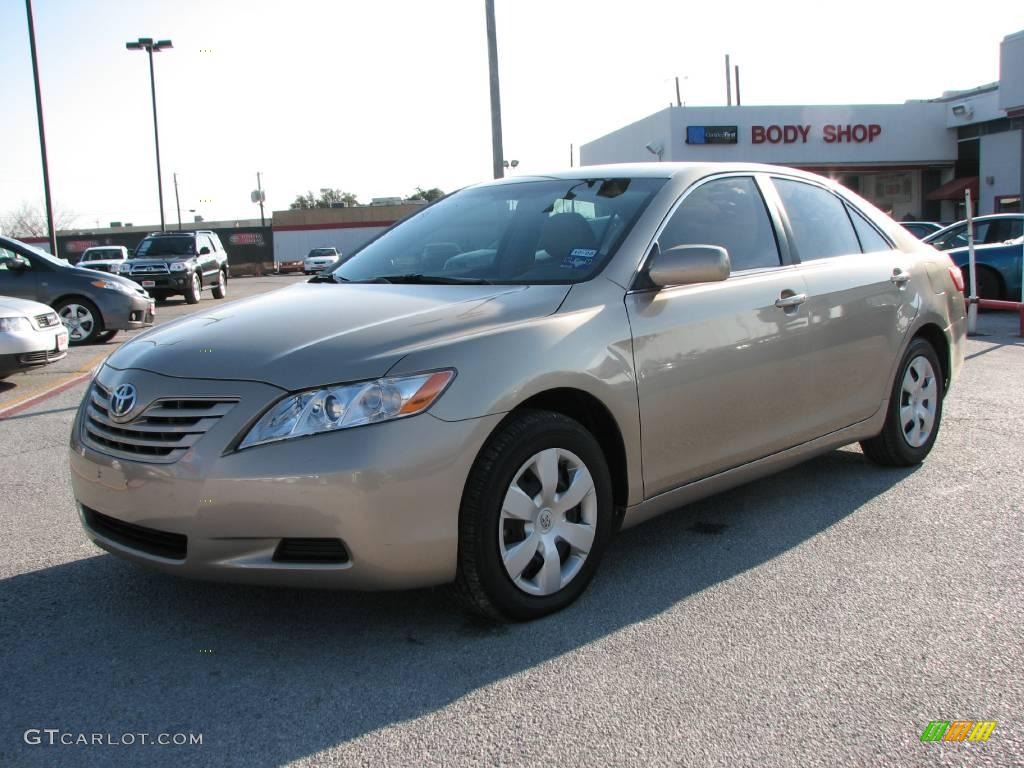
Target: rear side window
{"type": "Point", "coordinates": [821, 227]}
{"type": "Point", "coordinates": [871, 241]}
{"type": "Point", "coordinates": [729, 213]}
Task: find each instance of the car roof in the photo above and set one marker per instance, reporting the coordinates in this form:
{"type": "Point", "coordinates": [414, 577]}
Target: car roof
{"type": "Point", "coordinates": [660, 170]}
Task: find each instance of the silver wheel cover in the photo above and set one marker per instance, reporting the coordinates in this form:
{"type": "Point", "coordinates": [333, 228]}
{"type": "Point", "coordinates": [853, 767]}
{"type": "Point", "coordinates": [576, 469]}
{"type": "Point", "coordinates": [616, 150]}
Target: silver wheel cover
{"type": "Point", "coordinates": [548, 521]}
{"type": "Point", "coordinates": [78, 320]}
{"type": "Point", "coordinates": [919, 402]}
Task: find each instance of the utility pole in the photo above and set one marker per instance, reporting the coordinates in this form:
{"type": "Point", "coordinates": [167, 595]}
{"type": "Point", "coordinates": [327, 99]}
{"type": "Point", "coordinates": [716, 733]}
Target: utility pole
{"type": "Point", "coordinates": [737, 69]}
{"type": "Point", "coordinates": [570, 155]}
{"type": "Point", "coordinates": [679, 99]}
{"type": "Point", "coordinates": [146, 44]}
{"type": "Point", "coordinates": [42, 132]}
{"type": "Point", "coordinates": [177, 202]}
{"type": "Point", "coordinates": [728, 82]}
{"type": "Point", "coordinates": [497, 150]}
{"type": "Point", "coordinates": [259, 188]}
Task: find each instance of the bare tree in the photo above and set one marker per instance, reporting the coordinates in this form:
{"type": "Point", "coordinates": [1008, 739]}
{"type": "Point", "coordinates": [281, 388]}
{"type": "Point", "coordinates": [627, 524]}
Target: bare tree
{"type": "Point", "coordinates": [28, 220]}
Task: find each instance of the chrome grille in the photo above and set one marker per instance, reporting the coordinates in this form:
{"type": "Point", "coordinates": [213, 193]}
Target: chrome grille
{"type": "Point", "coordinates": [150, 269]}
{"type": "Point", "coordinates": [162, 433]}
{"type": "Point", "coordinates": [48, 320]}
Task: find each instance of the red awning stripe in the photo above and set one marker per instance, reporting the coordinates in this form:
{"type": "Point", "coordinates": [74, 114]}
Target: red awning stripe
{"type": "Point", "coordinates": [954, 190]}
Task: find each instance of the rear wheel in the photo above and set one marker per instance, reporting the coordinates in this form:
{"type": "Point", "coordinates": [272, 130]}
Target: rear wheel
{"type": "Point", "coordinates": [220, 290]}
{"type": "Point", "coordinates": [194, 289]}
{"type": "Point", "coordinates": [990, 285]}
{"type": "Point", "coordinates": [915, 410]}
{"type": "Point", "coordinates": [535, 520]}
{"type": "Point", "coordinates": [82, 319]}
{"type": "Point", "coordinates": [102, 338]}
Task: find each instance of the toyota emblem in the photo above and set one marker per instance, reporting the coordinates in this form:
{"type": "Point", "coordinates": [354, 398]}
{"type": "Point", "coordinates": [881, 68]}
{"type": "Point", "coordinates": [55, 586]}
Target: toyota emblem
{"type": "Point", "coordinates": [122, 400]}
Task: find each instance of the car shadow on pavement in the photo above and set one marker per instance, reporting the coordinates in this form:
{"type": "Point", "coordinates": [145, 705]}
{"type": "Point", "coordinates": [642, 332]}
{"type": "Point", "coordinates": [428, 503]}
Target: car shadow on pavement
{"type": "Point", "coordinates": [270, 676]}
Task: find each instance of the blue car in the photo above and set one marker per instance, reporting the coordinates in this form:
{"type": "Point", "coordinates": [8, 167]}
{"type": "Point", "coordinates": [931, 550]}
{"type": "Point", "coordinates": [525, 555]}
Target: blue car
{"type": "Point", "coordinates": [998, 251]}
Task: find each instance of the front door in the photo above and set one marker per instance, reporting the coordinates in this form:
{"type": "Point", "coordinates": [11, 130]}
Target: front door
{"type": "Point", "coordinates": [720, 369]}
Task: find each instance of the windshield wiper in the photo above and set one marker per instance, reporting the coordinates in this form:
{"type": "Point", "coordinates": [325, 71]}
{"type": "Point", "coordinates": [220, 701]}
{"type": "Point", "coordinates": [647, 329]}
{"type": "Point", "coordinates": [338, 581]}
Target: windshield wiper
{"type": "Point", "coordinates": [431, 280]}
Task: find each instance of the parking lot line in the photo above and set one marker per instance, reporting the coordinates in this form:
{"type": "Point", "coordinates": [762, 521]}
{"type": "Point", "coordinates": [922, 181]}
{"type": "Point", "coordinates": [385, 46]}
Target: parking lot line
{"type": "Point", "coordinates": [77, 378]}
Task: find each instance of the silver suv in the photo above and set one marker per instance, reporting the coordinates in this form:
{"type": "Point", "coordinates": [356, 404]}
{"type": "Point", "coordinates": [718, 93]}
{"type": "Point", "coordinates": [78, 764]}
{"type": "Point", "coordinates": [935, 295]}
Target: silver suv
{"type": "Point", "coordinates": [486, 392]}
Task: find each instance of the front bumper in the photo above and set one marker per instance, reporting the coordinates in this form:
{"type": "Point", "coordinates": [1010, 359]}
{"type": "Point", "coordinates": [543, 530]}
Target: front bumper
{"type": "Point", "coordinates": [122, 312]}
{"type": "Point", "coordinates": [29, 349]}
{"type": "Point", "coordinates": [390, 492]}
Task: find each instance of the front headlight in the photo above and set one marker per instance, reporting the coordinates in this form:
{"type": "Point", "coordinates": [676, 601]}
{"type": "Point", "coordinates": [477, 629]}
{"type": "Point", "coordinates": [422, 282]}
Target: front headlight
{"type": "Point", "coordinates": [178, 266]}
{"type": "Point", "coordinates": [112, 285]}
{"type": "Point", "coordinates": [14, 324]}
{"type": "Point", "coordinates": [348, 405]}
{"type": "Point", "coordinates": [125, 269]}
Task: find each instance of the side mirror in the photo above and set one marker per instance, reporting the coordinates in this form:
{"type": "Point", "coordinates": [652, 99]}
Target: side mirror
{"type": "Point", "coordinates": [689, 264]}
{"type": "Point", "coordinates": [15, 264]}
{"type": "Point", "coordinates": [204, 250]}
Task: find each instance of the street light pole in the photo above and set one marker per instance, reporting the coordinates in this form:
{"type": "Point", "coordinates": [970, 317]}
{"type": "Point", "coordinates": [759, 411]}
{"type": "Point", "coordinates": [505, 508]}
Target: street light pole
{"type": "Point", "coordinates": [42, 133]}
{"type": "Point", "coordinates": [147, 44]}
{"type": "Point", "coordinates": [177, 201]}
{"type": "Point", "coordinates": [492, 59]}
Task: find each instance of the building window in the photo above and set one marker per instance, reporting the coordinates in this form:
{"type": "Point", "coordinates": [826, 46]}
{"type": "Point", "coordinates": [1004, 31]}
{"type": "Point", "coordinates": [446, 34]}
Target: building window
{"type": "Point", "coordinates": [1008, 204]}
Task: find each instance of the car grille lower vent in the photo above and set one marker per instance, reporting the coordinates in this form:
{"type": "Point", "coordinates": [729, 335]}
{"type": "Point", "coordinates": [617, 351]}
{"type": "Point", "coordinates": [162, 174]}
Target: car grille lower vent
{"type": "Point", "coordinates": [162, 433]}
{"type": "Point", "coordinates": [327, 551]}
{"type": "Point", "coordinates": [173, 546]}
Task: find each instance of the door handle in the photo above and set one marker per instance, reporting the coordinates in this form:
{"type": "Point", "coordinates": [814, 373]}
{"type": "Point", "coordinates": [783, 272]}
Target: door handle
{"type": "Point", "coordinates": [791, 301]}
{"type": "Point", "coordinates": [899, 277]}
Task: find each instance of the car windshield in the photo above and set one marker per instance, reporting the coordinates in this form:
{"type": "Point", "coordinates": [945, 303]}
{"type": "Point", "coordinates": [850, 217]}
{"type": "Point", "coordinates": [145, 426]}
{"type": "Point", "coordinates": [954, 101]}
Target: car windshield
{"type": "Point", "coordinates": [321, 252]}
{"type": "Point", "coordinates": [166, 246]}
{"type": "Point", "coordinates": [534, 231]}
{"type": "Point", "coordinates": [111, 253]}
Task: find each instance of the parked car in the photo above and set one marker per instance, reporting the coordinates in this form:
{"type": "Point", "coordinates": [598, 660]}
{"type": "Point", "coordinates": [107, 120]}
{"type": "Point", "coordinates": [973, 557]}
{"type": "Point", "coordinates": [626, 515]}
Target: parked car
{"type": "Point", "coordinates": [921, 229]}
{"type": "Point", "coordinates": [998, 246]}
{"type": "Point", "coordinates": [994, 229]}
{"type": "Point", "coordinates": [180, 263]}
{"type": "Point", "coordinates": [626, 339]}
{"type": "Point", "coordinates": [104, 258]}
{"type": "Point", "coordinates": [31, 335]}
{"type": "Point", "coordinates": [320, 259]}
{"type": "Point", "coordinates": [93, 307]}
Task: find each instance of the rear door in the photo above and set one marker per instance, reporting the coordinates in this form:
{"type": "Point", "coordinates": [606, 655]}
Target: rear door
{"type": "Point", "coordinates": [861, 302]}
{"type": "Point", "coordinates": [720, 371]}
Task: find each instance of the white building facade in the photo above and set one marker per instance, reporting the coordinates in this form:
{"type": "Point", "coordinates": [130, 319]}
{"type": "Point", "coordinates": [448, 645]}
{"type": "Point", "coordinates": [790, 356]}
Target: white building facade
{"type": "Point", "coordinates": [913, 160]}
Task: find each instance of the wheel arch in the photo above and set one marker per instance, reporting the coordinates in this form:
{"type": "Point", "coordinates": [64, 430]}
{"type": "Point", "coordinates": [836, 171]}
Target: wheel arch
{"type": "Point", "coordinates": [594, 415]}
{"type": "Point", "coordinates": [934, 335]}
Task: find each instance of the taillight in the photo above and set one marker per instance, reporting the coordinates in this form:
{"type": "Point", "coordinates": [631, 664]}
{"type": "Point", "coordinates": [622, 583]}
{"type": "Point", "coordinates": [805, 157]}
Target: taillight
{"type": "Point", "coordinates": [958, 277]}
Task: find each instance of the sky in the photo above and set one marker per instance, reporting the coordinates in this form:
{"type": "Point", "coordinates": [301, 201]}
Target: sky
{"type": "Point", "coordinates": [381, 96]}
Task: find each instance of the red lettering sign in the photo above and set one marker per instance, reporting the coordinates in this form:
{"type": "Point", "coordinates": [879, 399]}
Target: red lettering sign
{"type": "Point", "coordinates": [858, 133]}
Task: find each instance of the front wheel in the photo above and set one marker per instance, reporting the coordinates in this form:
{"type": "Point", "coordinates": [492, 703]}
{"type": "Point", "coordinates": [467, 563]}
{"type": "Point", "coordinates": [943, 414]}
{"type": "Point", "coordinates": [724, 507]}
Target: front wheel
{"type": "Point", "coordinates": [194, 289]}
{"type": "Point", "coordinates": [82, 319]}
{"type": "Point", "coordinates": [536, 516]}
{"type": "Point", "coordinates": [915, 410]}
{"type": "Point", "coordinates": [220, 290]}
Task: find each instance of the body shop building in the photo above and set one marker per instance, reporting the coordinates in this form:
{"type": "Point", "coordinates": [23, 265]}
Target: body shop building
{"type": "Point", "coordinates": [914, 160]}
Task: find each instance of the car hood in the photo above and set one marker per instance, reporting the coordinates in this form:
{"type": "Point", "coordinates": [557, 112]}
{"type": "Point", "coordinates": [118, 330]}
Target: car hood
{"type": "Point", "coordinates": [10, 307]}
{"type": "Point", "coordinates": [321, 333]}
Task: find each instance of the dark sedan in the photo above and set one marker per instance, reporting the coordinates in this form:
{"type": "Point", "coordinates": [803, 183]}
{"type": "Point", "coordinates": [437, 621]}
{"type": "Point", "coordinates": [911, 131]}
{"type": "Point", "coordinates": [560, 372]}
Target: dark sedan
{"type": "Point", "coordinates": [93, 306]}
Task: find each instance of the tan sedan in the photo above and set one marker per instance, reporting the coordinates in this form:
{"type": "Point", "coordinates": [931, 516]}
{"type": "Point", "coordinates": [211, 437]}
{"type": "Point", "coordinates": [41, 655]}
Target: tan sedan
{"type": "Point", "coordinates": [487, 391]}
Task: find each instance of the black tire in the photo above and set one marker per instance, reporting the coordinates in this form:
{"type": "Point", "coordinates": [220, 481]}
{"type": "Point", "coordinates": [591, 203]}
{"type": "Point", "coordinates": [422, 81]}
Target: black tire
{"type": "Point", "coordinates": [890, 448]}
{"type": "Point", "coordinates": [103, 338]}
{"type": "Point", "coordinates": [220, 290]}
{"type": "Point", "coordinates": [88, 335]}
{"type": "Point", "coordinates": [482, 584]}
{"type": "Point", "coordinates": [990, 283]}
{"type": "Point", "coordinates": [194, 289]}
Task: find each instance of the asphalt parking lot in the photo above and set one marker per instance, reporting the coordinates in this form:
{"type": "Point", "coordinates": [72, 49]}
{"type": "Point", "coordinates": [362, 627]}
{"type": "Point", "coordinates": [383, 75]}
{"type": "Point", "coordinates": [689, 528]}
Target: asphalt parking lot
{"type": "Point", "coordinates": [835, 610]}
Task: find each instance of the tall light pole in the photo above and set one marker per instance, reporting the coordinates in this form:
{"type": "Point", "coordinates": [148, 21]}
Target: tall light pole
{"type": "Point", "coordinates": [42, 132]}
{"type": "Point", "coordinates": [492, 60]}
{"type": "Point", "coordinates": [146, 44]}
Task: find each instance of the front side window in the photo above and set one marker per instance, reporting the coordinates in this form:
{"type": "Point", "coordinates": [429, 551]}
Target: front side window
{"type": "Point", "coordinates": [729, 213]}
{"type": "Point", "coordinates": [544, 231]}
{"type": "Point", "coordinates": [9, 260]}
{"type": "Point", "coordinates": [821, 227]}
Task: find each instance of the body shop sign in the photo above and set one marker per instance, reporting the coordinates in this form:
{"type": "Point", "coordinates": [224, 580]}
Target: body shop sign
{"type": "Point", "coordinates": [857, 133]}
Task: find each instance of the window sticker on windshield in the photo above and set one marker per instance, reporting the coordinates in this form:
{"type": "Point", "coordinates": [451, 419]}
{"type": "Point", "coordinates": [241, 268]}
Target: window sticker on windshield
{"type": "Point", "coordinates": [579, 258]}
